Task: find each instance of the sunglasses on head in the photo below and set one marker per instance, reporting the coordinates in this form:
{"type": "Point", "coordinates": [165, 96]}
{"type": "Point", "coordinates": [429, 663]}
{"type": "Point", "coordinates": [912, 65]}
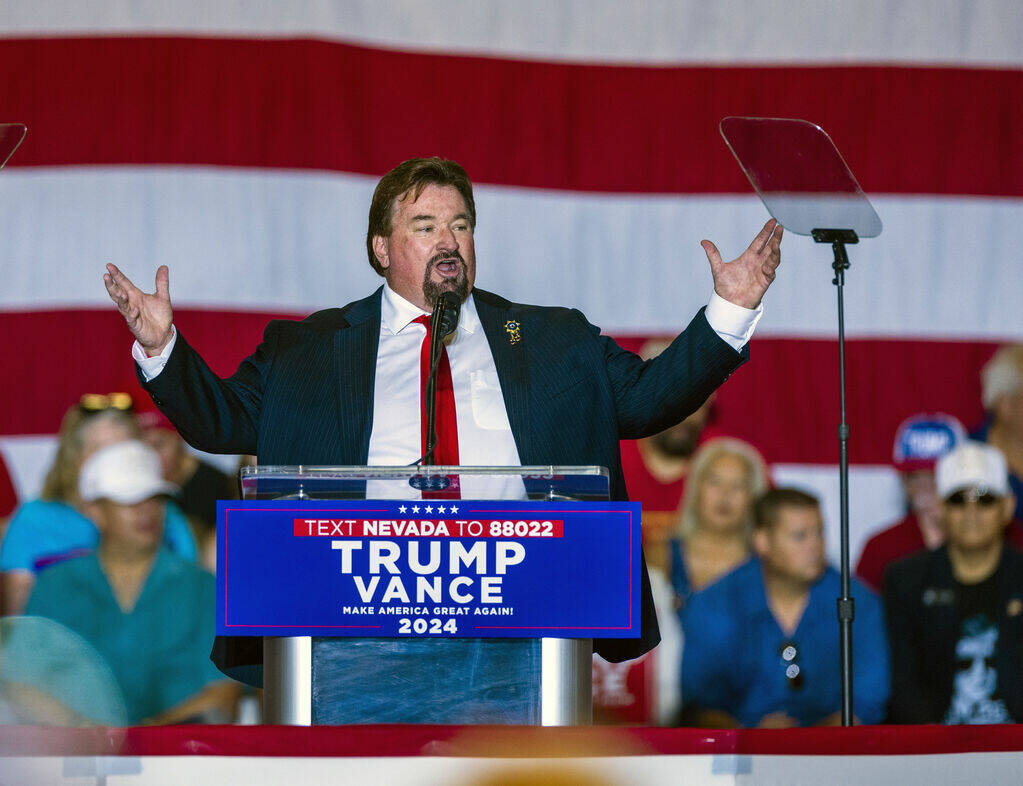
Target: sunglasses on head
{"type": "Point", "coordinates": [92, 403]}
{"type": "Point", "coordinates": [982, 497]}
{"type": "Point", "coordinates": [789, 653]}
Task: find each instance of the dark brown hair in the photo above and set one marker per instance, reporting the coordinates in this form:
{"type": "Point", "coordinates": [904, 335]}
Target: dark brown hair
{"type": "Point", "coordinates": [765, 511]}
{"type": "Point", "coordinates": [409, 178]}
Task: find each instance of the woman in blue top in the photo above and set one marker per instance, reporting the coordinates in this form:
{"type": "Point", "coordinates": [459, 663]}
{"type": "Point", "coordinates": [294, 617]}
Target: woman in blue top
{"type": "Point", "coordinates": [716, 518]}
{"type": "Point", "coordinates": [53, 528]}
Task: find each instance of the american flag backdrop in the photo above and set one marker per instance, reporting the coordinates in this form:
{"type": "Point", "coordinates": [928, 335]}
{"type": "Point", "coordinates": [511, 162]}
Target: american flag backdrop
{"type": "Point", "coordinates": [239, 142]}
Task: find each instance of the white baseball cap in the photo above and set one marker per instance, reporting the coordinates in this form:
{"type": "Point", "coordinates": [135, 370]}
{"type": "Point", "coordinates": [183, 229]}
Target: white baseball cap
{"type": "Point", "coordinates": [125, 472]}
{"type": "Point", "coordinates": [970, 465]}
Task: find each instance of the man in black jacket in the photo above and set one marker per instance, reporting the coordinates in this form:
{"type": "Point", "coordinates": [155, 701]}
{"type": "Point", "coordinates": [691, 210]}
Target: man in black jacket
{"type": "Point", "coordinates": [329, 389]}
{"type": "Point", "coordinates": [955, 615]}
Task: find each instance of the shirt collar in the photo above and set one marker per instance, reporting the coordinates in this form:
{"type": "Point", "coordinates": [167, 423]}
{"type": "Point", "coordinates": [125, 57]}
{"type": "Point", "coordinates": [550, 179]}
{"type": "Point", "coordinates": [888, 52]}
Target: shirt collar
{"type": "Point", "coordinates": [396, 313]}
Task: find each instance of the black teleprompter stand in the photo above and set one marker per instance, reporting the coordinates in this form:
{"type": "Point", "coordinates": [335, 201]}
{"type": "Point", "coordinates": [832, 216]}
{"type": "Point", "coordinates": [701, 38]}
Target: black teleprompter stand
{"type": "Point", "coordinates": [846, 606]}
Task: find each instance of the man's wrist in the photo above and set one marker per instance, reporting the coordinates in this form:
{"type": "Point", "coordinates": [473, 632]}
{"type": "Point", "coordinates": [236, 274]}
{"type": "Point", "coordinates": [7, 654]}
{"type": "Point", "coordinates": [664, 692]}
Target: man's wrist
{"type": "Point", "coordinates": [157, 349]}
{"type": "Point", "coordinates": [733, 323]}
{"type": "Point", "coordinates": [152, 365]}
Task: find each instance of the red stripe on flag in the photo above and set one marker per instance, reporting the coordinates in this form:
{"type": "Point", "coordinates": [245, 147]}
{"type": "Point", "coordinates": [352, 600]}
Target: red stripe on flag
{"type": "Point", "coordinates": [785, 400]}
{"type": "Point", "coordinates": [302, 104]}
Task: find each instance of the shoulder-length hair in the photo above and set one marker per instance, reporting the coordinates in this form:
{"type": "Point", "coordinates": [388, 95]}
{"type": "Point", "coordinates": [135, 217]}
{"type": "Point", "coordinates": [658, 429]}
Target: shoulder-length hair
{"type": "Point", "coordinates": [61, 484]}
{"type": "Point", "coordinates": [709, 452]}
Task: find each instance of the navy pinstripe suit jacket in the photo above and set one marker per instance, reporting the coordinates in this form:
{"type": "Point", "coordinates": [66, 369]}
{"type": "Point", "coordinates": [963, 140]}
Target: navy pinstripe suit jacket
{"type": "Point", "coordinates": [305, 396]}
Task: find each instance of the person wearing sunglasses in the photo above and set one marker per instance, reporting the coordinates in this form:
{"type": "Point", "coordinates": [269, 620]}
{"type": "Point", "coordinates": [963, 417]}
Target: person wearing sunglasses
{"type": "Point", "coordinates": [55, 527]}
{"type": "Point", "coordinates": [955, 615]}
{"type": "Point", "coordinates": [761, 644]}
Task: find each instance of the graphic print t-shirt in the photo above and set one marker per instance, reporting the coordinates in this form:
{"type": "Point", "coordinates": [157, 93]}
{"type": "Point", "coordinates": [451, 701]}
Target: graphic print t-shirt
{"type": "Point", "coordinates": [976, 698]}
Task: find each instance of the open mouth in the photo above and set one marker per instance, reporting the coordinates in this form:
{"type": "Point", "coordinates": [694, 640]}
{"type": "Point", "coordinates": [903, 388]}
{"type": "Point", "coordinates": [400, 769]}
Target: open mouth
{"type": "Point", "coordinates": [449, 268]}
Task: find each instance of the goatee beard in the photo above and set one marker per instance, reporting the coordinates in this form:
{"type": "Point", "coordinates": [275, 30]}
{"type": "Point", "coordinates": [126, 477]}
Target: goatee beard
{"type": "Point", "coordinates": [459, 284]}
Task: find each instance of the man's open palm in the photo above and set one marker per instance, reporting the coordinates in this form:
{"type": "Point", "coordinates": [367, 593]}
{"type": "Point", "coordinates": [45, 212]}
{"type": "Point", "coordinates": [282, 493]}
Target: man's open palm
{"type": "Point", "coordinates": [148, 316]}
{"type": "Point", "coordinates": [744, 281]}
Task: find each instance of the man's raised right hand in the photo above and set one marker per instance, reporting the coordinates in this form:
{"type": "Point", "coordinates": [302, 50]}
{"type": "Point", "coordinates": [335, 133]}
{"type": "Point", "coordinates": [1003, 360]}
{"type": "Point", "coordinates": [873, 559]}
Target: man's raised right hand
{"type": "Point", "coordinates": [148, 316]}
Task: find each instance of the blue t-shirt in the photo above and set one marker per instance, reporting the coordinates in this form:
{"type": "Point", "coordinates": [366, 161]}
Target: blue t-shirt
{"type": "Point", "coordinates": [733, 659]}
{"type": "Point", "coordinates": [45, 531]}
{"type": "Point", "coordinates": [159, 651]}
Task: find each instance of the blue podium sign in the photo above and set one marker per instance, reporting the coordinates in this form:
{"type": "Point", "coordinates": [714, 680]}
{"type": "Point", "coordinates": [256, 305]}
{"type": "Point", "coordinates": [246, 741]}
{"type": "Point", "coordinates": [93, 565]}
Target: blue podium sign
{"type": "Point", "coordinates": [463, 568]}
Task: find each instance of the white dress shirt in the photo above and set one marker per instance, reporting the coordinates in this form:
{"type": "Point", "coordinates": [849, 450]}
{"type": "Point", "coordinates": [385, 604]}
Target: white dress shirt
{"type": "Point", "coordinates": [484, 434]}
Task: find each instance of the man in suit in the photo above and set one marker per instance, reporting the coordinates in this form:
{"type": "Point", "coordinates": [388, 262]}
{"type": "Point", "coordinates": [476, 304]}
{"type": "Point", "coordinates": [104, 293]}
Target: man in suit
{"type": "Point", "coordinates": [530, 385]}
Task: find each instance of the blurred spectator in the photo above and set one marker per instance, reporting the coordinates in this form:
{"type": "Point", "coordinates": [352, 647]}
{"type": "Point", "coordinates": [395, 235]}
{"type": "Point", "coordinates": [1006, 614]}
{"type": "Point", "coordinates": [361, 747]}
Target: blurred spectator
{"type": "Point", "coordinates": [725, 478]}
{"type": "Point", "coordinates": [54, 527]}
{"type": "Point", "coordinates": [762, 643]}
{"type": "Point", "coordinates": [920, 441]}
{"type": "Point", "coordinates": [1002, 395]}
{"type": "Point", "coordinates": [200, 484]}
{"type": "Point", "coordinates": [716, 520]}
{"type": "Point", "coordinates": [656, 469]}
{"type": "Point", "coordinates": [149, 612]}
{"type": "Point", "coordinates": [955, 615]}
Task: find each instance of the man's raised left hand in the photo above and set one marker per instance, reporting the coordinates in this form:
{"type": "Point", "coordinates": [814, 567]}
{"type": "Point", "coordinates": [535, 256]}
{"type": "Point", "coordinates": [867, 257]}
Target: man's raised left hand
{"type": "Point", "coordinates": [744, 280]}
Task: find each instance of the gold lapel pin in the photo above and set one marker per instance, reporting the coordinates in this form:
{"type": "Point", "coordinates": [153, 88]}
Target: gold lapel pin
{"type": "Point", "coordinates": [513, 328]}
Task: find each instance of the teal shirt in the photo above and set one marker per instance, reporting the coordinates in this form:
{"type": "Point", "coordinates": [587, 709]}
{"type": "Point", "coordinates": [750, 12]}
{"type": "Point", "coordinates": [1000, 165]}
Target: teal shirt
{"type": "Point", "coordinates": [44, 530]}
{"type": "Point", "coordinates": [159, 652]}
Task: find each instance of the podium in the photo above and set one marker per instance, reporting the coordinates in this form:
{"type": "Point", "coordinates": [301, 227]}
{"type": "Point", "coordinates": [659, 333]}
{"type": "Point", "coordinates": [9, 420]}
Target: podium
{"type": "Point", "coordinates": [320, 680]}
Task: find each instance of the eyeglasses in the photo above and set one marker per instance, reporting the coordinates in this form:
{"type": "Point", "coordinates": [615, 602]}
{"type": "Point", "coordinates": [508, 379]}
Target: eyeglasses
{"type": "Point", "coordinates": [91, 403]}
{"type": "Point", "coordinates": [981, 496]}
{"type": "Point", "coordinates": [793, 673]}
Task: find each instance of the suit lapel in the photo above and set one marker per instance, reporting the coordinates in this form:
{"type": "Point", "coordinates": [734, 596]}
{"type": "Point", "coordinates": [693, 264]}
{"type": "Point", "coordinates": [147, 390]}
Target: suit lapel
{"type": "Point", "coordinates": [355, 358]}
{"type": "Point", "coordinates": [508, 346]}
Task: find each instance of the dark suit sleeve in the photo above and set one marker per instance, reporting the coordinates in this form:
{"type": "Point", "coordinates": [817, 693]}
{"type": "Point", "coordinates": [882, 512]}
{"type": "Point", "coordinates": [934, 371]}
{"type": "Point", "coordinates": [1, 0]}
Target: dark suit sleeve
{"type": "Point", "coordinates": [213, 414]}
{"type": "Point", "coordinates": [653, 395]}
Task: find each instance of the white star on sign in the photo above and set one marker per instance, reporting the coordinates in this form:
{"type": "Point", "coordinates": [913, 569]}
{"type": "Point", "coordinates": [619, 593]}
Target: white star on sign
{"type": "Point", "coordinates": [415, 508]}
{"type": "Point", "coordinates": [402, 509]}
{"type": "Point", "coordinates": [429, 508]}
{"type": "Point", "coordinates": [440, 509]}
{"type": "Point", "coordinates": [454, 509]}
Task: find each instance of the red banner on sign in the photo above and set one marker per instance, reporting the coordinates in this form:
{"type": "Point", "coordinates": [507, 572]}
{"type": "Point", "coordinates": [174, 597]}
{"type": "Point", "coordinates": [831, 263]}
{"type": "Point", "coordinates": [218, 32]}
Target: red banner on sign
{"type": "Point", "coordinates": [429, 528]}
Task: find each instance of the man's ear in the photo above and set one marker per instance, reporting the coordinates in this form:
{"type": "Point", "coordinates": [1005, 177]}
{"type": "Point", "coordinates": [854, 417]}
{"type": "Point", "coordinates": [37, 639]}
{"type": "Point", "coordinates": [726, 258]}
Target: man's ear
{"type": "Point", "coordinates": [760, 543]}
{"type": "Point", "coordinates": [380, 249]}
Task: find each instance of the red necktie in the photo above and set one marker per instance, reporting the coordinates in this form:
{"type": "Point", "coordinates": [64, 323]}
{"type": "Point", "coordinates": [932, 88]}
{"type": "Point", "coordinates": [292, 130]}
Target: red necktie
{"type": "Point", "coordinates": [445, 422]}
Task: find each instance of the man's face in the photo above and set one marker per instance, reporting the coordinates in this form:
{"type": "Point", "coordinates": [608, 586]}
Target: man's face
{"type": "Point", "coordinates": [430, 249]}
{"type": "Point", "coordinates": [137, 528]}
{"type": "Point", "coordinates": [170, 447]}
{"type": "Point", "coordinates": [921, 491]}
{"type": "Point", "coordinates": [976, 519]}
{"type": "Point", "coordinates": [1009, 413]}
{"type": "Point", "coordinates": [794, 546]}
{"type": "Point", "coordinates": [680, 441]}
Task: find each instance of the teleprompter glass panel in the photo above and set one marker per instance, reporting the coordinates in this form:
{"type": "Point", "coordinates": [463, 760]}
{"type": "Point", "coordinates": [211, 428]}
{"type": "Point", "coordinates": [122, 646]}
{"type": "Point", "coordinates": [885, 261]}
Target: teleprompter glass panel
{"type": "Point", "coordinates": [799, 175]}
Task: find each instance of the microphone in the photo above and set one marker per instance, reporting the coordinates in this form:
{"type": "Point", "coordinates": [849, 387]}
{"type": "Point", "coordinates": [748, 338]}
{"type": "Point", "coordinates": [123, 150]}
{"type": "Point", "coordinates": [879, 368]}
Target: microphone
{"type": "Point", "coordinates": [443, 322]}
{"type": "Point", "coordinates": [444, 319]}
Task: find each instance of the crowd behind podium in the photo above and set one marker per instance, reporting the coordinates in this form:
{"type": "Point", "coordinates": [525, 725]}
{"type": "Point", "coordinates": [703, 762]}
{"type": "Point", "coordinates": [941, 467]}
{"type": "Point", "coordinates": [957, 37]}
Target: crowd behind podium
{"type": "Point", "coordinates": [118, 551]}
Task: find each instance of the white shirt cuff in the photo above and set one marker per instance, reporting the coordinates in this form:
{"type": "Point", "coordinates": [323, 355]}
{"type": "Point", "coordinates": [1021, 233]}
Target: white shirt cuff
{"type": "Point", "coordinates": [152, 366]}
{"type": "Point", "coordinates": [734, 324]}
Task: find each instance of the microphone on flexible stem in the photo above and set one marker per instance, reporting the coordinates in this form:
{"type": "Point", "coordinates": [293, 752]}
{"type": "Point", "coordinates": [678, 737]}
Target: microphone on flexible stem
{"type": "Point", "coordinates": [443, 322]}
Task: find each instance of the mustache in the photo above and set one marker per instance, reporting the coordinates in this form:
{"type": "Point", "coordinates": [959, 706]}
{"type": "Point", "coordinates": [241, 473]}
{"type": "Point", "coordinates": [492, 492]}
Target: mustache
{"type": "Point", "coordinates": [450, 256]}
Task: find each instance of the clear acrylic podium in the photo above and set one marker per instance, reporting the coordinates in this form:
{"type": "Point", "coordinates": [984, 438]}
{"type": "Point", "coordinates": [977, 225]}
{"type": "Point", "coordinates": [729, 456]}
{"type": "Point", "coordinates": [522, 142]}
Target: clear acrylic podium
{"type": "Point", "coordinates": [326, 681]}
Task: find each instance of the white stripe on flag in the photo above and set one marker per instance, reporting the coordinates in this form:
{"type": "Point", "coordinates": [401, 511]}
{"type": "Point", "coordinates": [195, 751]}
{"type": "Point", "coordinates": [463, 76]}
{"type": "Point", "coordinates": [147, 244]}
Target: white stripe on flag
{"type": "Point", "coordinates": [294, 241]}
{"type": "Point", "coordinates": [964, 32]}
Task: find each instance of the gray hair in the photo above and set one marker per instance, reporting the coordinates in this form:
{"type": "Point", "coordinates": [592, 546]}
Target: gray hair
{"type": "Point", "coordinates": [1002, 375]}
